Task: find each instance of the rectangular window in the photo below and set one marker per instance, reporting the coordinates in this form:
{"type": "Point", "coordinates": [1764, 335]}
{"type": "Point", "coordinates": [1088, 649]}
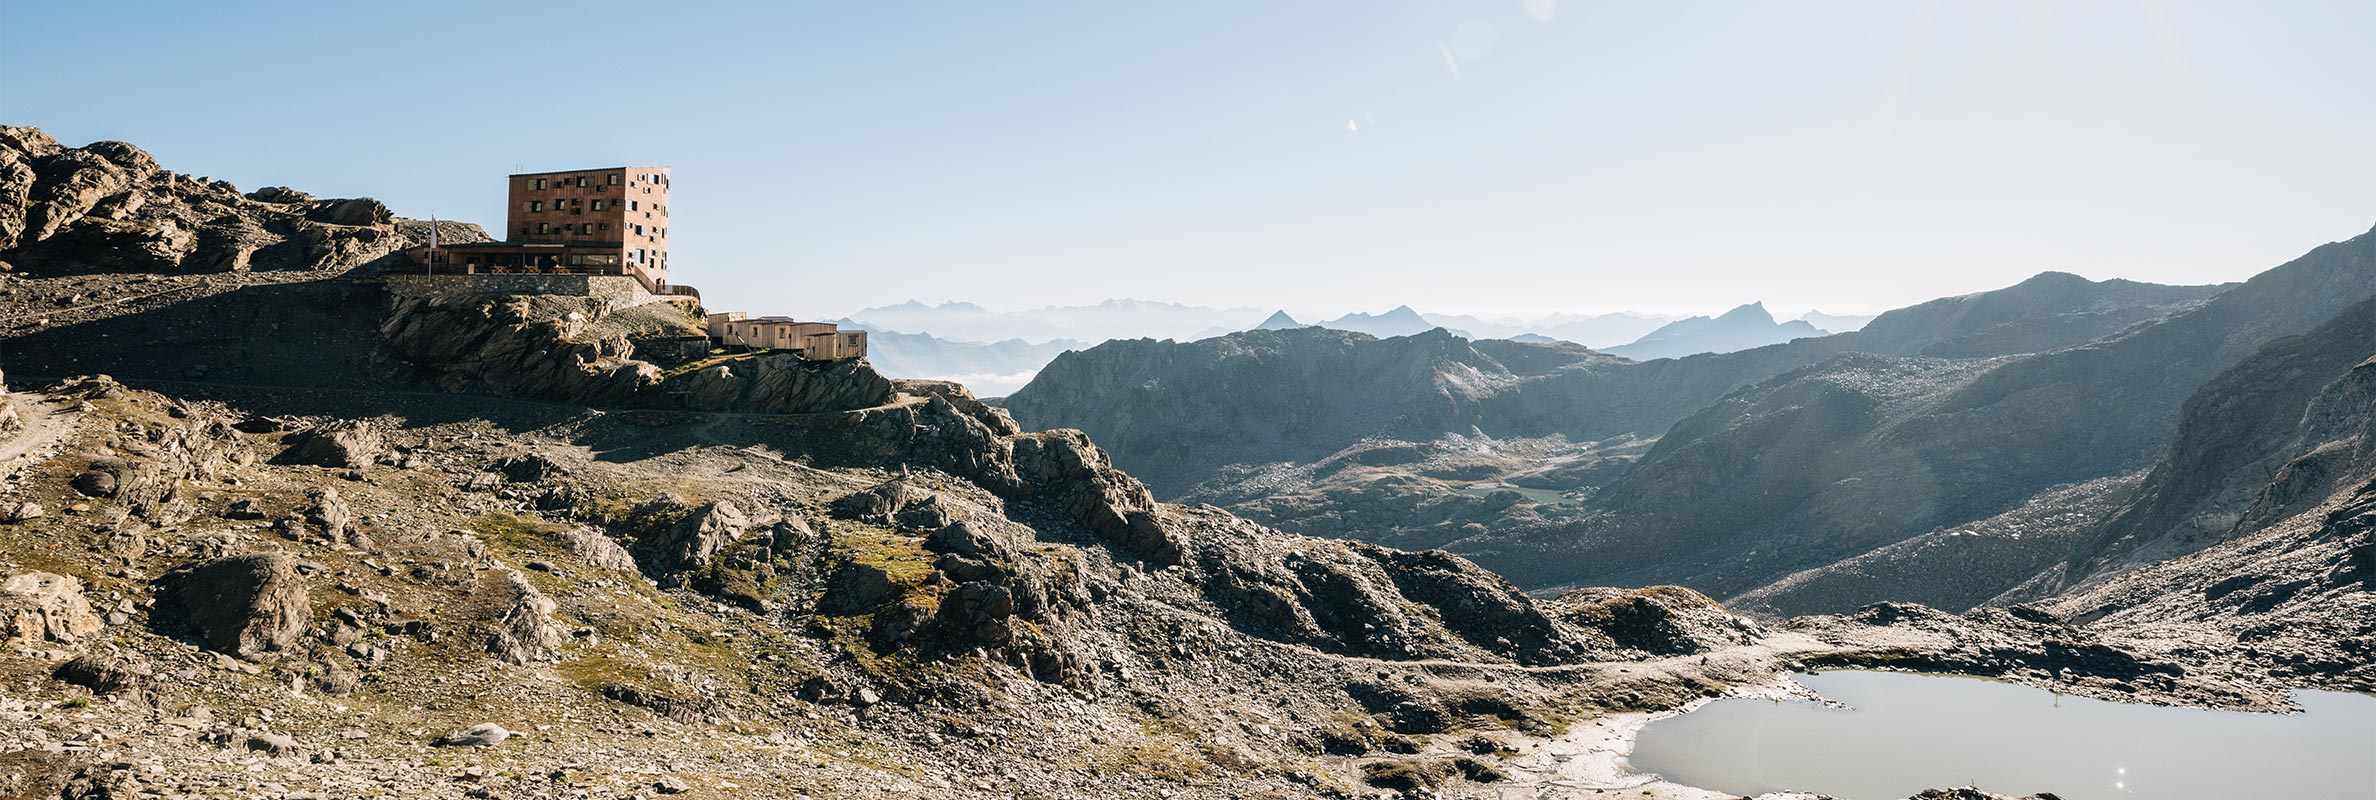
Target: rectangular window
{"type": "Point", "coordinates": [586, 229]}
{"type": "Point", "coordinates": [541, 228]}
{"type": "Point", "coordinates": [581, 181]}
{"type": "Point", "coordinates": [540, 183]}
{"type": "Point", "coordinates": [605, 226]}
{"type": "Point", "coordinates": [598, 205]}
{"type": "Point", "coordinates": [536, 205]}
{"type": "Point", "coordinates": [614, 179]}
{"type": "Point", "coordinates": [631, 205]}
{"type": "Point", "coordinates": [639, 230]}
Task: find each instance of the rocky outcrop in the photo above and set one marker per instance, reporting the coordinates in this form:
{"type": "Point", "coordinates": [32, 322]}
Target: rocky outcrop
{"type": "Point", "coordinates": [784, 384]}
{"type": "Point", "coordinates": [516, 346]}
{"type": "Point", "coordinates": [690, 543]}
{"type": "Point", "coordinates": [148, 476]}
{"type": "Point", "coordinates": [1657, 621]}
{"type": "Point", "coordinates": [41, 609]}
{"type": "Point", "coordinates": [247, 606]}
{"type": "Point", "coordinates": [549, 348]}
{"type": "Point", "coordinates": [525, 633]}
{"type": "Point", "coordinates": [597, 549]}
{"type": "Point", "coordinates": [1361, 600]}
{"type": "Point", "coordinates": [108, 207]}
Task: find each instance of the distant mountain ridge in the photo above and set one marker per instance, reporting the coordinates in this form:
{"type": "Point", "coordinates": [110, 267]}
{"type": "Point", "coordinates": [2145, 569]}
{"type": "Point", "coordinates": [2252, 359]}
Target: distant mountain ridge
{"type": "Point", "coordinates": [1399, 321]}
{"type": "Point", "coordinates": [1137, 396]}
{"type": "Point", "coordinates": [1112, 319]}
{"type": "Point", "coordinates": [989, 369]}
{"type": "Point", "coordinates": [1742, 328]}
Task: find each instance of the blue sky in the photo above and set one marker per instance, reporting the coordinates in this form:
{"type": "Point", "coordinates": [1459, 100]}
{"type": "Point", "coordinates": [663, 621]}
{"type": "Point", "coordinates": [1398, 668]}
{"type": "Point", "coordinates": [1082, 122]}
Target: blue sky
{"type": "Point", "coordinates": [1495, 157]}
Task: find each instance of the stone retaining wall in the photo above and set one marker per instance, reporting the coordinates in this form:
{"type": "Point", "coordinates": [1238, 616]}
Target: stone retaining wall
{"type": "Point", "coordinates": [621, 291]}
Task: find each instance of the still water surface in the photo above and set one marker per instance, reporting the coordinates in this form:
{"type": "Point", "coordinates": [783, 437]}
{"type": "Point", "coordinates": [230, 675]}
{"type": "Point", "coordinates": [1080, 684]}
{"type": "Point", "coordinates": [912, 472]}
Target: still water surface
{"type": "Point", "coordinates": [1911, 732]}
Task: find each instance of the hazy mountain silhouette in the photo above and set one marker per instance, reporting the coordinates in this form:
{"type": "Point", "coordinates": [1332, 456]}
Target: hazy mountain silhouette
{"type": "Point", "coordinates": [1837, 323]}
{"type": "Point", "coordinates": [1401, 321]}
{"type": "Point", "coordinates": [1739, 329]}
{"type": "Point", "coordinates": [989, 369]}
{"type": "Point", "coordinates": [1279, 321]}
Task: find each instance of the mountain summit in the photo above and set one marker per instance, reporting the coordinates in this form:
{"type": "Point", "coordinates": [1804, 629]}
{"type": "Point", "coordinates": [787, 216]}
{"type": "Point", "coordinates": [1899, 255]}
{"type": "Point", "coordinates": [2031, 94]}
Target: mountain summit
{"type": "Point", "coordinates": [1279, 321]}
{"type": "Point", "coordinates": [1401, 321]}
{"type": "Point", "coordinates": [1739, 329]}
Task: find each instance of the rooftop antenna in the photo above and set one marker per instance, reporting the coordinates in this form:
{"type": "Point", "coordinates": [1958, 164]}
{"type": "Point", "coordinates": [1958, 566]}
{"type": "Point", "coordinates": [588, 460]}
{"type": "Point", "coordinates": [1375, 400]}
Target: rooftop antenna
{"type": "Point", "coordinates": [431, 267]}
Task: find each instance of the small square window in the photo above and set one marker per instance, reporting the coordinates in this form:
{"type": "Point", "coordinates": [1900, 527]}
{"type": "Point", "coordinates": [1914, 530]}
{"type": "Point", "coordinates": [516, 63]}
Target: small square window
{"type": "Point", "coordinates": [598, 205]}
{"type": "Point", "coordinates": [536, 205]}
{"type": "Point", "coordinates": [542, 228]}
{"type": "Point", "coordinates": [585, 228]}
{"type": "Point", "coordinates": [540, 183]}
{"type": "Point", "coordinates": [614, 179]}
{"type": "Point", "coordinates": [581, 181]}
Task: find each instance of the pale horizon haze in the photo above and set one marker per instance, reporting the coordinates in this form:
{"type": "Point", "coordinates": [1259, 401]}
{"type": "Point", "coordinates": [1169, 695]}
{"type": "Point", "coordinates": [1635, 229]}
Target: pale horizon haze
{"type": "Point", "coordinates": [1490, 158]}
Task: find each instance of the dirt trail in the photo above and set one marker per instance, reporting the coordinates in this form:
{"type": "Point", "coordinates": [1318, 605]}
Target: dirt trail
{"type": "Point", "coordinates": [45, 424]}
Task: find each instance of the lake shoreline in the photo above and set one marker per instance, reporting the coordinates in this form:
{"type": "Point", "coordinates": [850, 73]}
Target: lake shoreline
{"type": "Point", "coordinates": [1592, 755]}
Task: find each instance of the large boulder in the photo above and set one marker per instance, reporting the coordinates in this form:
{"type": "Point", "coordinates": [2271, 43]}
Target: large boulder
{"type": "Point", "coordinates": [346, 444]}
{"type": "Point", "coordinates": [42, 607]}
{"type": "Point", "coordinates": [246, 605]}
